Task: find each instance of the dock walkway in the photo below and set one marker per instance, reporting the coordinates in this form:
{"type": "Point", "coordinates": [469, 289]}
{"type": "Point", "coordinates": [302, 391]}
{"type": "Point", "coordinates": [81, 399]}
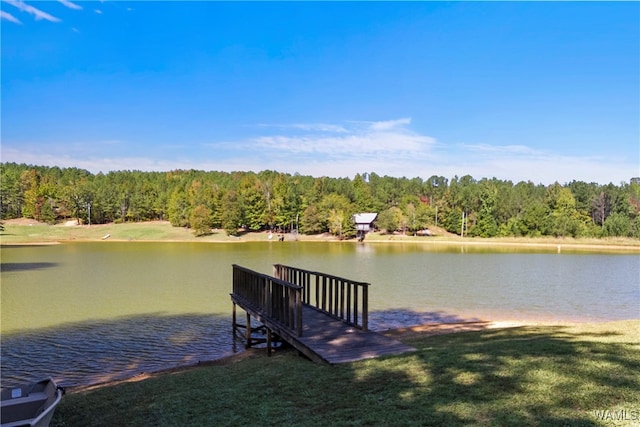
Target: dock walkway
{"type": "Point", "coordinates": [324, 317]}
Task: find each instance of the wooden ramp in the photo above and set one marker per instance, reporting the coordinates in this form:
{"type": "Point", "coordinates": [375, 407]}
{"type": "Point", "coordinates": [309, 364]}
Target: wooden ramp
{"type": "Point", "coordinates": [332, 329]}
{"type": "Point", "coordinates": [334, 341]}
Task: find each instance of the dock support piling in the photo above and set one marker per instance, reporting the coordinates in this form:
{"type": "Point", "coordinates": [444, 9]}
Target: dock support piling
{"type": "Point", "coordinates": [233, 321]}
{"type": "Point", "coordinates": [248, 343]}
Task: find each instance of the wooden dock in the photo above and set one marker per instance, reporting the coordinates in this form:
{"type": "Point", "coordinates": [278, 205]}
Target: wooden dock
{"type": "Point", "coordinates": [323, 316]}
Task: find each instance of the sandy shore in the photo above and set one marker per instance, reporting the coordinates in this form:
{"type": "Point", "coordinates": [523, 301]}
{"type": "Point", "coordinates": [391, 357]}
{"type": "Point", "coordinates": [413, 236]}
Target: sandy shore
{"type": "Point", "coordinates": [399, 333]}
{"type": "Point", "coordinates": [451, 328]}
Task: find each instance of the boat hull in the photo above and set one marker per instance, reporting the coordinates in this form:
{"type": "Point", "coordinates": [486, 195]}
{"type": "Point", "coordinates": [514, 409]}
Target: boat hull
{"type": "Point", "coordinates": [29, 405]}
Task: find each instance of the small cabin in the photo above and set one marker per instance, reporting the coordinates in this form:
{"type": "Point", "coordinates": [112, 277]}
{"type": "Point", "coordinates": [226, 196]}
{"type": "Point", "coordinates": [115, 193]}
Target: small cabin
{"type": "Point", "coordinates": [364, 223]}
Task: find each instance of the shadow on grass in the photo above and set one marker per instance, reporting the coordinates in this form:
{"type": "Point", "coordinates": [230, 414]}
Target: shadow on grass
{"type": "Point", "coordinates": [515, 376]}
{"type": "Point", "coordinates": [509, 377]}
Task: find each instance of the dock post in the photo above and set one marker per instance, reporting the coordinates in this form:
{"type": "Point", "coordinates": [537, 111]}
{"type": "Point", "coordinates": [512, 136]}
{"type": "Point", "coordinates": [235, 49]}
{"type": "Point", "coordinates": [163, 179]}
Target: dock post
{"type": "Point", "coordinates": [233, 319]}
{"type": "Point", "coordinates": [248, 344]}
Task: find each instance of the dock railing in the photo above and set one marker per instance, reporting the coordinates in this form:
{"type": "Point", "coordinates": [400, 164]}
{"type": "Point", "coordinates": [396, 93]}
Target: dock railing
{"type": "Point", "coordinates": [342, 298]}
{"type": "Point", "coordinates": [269, 296]}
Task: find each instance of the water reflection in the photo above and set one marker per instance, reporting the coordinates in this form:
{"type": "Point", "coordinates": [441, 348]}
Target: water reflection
{"type": "Point", "coordinates": [93, 352]}
{"type": "Point", "coordinates": [22, 266]}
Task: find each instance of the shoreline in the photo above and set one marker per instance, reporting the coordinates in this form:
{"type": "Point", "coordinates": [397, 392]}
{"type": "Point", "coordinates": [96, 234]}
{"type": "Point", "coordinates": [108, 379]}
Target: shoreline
{"type": "Point", "coordinates": [30, 232]}
{"type": "Point", "coordinates": [408, 332]}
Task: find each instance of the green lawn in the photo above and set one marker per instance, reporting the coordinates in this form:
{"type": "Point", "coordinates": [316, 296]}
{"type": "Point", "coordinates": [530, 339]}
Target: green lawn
{"type": "Point", "coordinates": [134, 231]}
{"type": "Point", "coordinates": [551, 375]}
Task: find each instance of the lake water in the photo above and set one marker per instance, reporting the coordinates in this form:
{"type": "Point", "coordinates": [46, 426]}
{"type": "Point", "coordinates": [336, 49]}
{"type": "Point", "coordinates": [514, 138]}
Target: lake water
{"type": "Point", "coordinates": [90, 312]}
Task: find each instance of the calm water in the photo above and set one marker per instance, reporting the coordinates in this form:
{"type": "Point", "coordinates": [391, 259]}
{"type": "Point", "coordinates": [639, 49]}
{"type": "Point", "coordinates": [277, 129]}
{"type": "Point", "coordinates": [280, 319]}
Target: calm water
{"type": "Point", "coordinates": [89, 312]}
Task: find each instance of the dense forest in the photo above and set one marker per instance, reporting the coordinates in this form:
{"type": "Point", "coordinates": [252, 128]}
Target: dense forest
{"type": "Point", "coordinates": [270, 200]}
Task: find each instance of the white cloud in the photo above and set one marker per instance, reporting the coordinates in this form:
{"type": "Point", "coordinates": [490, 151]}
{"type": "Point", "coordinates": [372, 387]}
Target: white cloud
{"type": "Point", "coordinates": [9, 17]}
{"type": "Point", "coordinates": [390, 124]}
{"type": "Point", "coordinates": [392, 148]}
{"type": "Point", "coordinates": [545, 170]}
{"type": "Point", "coordinates": [310, 127]}
{"type": "Point", "coordinates": [389, 138]}
{"type": "Point", "coordinates": [501, 149]}
{"type": "Point", "coordinates": [348, 145]}
{"type": "Point", "coordinates": [336, 150]}
{"type": "Point", "coordinates": [70, 5]}
{"type": "Point", "coordinates": [96, 164]}
{"type": "Point", "coordinates": [37, 13]}
{"type": "Point", "coordinates": [521, 163]}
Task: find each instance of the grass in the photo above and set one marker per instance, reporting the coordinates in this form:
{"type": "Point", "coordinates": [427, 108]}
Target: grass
{"type": "Point", "coordinates": [523, 376]}
{"type": "Point", "coordinates": [24, 232]}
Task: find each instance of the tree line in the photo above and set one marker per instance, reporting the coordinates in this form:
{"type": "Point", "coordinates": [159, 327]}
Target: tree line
{"type": "Point", "coordinates": [270, 200]}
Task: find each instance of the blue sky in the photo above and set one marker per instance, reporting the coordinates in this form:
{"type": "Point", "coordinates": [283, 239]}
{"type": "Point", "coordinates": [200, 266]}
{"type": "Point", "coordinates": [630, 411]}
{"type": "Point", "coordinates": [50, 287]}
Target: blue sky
{"type": "Point", "coordinates": [546, 91]}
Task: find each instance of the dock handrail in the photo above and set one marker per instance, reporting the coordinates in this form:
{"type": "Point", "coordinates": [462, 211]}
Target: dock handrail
{"type": "Point", "coordinates": [342, 298]}
{"type": "Point", "coordinates": [272, 297]}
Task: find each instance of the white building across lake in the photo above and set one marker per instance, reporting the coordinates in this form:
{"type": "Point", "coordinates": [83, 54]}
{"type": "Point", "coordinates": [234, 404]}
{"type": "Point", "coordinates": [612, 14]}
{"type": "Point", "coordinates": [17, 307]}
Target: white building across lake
{"type": "Point", "coordinates": [364, 223]}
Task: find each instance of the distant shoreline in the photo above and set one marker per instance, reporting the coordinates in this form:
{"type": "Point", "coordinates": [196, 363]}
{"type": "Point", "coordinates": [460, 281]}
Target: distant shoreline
{"type": "Point", "coordinates": [30, 232]}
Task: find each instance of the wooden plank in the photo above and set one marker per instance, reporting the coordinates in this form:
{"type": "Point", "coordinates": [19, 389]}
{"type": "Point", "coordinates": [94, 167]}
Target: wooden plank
{"type": "Point", "coordinates": [336, 342]}
{"type": "Point", "coordinates": [325, 335]}
{"type": "Point", "coordinates": [325, 339]}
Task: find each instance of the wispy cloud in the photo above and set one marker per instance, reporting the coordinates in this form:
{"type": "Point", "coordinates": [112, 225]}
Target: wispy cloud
{"type": "Point", "coordinates": [337, 141]}
{"type": "Point", "coordinates": [9, 17]}
{"type": "Point", "coordinates": [501, 149]}
{"type": "Point", "coordinates": [390, 124]}
{"type": "Point", "coordinates": [339, 150]}
{"type": "Point", "coordinates": [365, 145]}
{"type": "Point", "coordinates": [547, 168]}
{"type": "Point", "coordinates": [318, 127]}
{"type": "Point", "coordinates": [70, 5]}
{"type": "Point", "coordinates": [37, 13]}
